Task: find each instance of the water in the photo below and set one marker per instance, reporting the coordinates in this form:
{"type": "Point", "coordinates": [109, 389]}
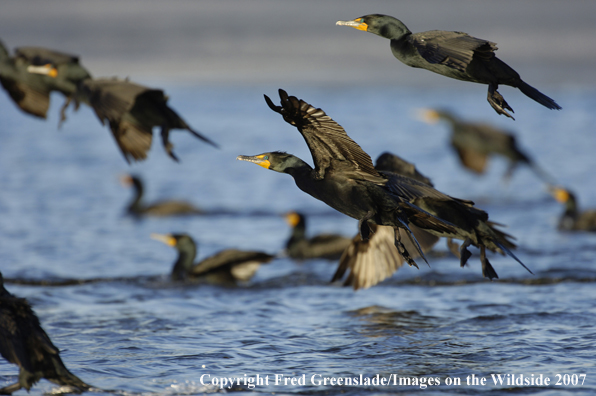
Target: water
{"type": "Point", "coordinates": [62, 208]}
{"type": "Point", "coordinates": [136, 332]}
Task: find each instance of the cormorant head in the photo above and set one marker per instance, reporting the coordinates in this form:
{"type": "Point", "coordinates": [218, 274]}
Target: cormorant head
{"type": "Point", "coordinates": [562, 195]}
{"type": "Point", "coordinates": [379, 24]}
{"type": "Point", "coordinates": [294, 218]}
{"type": "Point", "coordinates": [187, 251]}
{"type": "Point", "coordinates": [45, 70]}
{"type": "Point", "coordinates": [182, 242]}
{"type": "Point", "coordinates": [131, 180]}
{"type": "Point", "coordinates": [277, 161]}
{"type": "Point", "coordinates": [432, 116]}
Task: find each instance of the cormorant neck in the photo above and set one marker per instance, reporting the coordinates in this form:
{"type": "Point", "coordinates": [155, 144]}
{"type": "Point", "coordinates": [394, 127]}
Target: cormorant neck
{"type": "Point", "coordinates": [185, 262]}
{"type": "Point", "coordinates": [294, 166]}
{"type": "Point", "coordinates": [4, 56]}
{"type": "Point", "coordinates": [135, 203]}
{"type": "Point", "coordinates": [298, 232]}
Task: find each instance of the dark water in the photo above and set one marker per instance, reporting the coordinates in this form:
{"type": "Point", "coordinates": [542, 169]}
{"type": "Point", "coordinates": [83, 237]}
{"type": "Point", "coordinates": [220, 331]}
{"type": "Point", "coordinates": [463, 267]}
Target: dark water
{"type": "Point", "coordinates": [62, 217]}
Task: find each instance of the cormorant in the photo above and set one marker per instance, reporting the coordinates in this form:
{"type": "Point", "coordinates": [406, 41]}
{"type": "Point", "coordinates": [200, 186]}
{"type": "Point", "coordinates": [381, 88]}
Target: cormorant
{"type": "Point", "coordinates": [345, 179]}
{"type": "Point", "coordinates": [33, 73]}
{"type": "Point", "coordinates": [227, 266]}
{"type": "Point", "coordinates": [132, 111]}
{"type": "Point", "coordinates": [476, 142]}
{"type": "Point", "coordinates": [162, 208]}
{"type": "Point", "coordinates": [23, 342]}
{"type": "Point", "coordinates": [572, 219]}
{"type": "Point", "coordinates": [325, 246]}
{"type": "Point", "coordinates": [452, 54]}
{"type": "Point", "coordinates": [344, 176]}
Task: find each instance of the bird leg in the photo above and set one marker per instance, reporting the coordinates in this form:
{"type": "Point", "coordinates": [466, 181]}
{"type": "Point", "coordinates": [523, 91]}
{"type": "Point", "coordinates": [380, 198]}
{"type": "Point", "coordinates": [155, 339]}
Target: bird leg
{"type": "Point", "coordinates": [63, 111]}
{"type": "Point", "coordinates": [496, 100]}
{"type": "Point", "coordinates": [165, 139]}
{"type": "Point", "coordinates": [363, 226]}
{"type": "Point", "coordinates": [464, 253]}
{"type": "Point", "coordinates": [487, 269]}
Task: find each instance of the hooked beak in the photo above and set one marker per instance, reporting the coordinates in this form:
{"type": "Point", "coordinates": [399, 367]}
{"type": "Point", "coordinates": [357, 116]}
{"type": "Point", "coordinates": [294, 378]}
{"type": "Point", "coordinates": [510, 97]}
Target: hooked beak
{"type": "Point", "coordinates": [357, 23]}
{"type": "Point", "coordinates": [260, 160]}
{"type": "Point", "coordinates": [559, 193]}
{"type": "Point", "coordinates": [164, 238]}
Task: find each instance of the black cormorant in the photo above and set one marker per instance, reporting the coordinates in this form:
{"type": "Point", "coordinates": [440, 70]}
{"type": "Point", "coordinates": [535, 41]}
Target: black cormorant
{"type": "Point", "coordinates": [344, 176]}
{"type": "Point", "coordinates": [345, 179]}
{"type": "Point", "coordinates": [452, 54]}
{"type": "Point", "coordinates": [476, 142]}
{"type": "Point", "coordinates": [225, 267]}
{"type": "Point", "coordinates": [132, 111]}
{"type": "Point", "coordinates": [572, 219]}
{"type": "Point", "coordinates": [23, 342]}
{"type": "Point", "coordinates": [33, 73]}
{"type": "Point", "coordinates": [325, 246]}
{"type": "Point", "coordinates": [162, 208]}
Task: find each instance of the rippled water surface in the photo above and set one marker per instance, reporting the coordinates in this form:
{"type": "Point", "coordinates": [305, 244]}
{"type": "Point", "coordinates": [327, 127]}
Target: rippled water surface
{"type": "Point", "coordinates": [62, 210]}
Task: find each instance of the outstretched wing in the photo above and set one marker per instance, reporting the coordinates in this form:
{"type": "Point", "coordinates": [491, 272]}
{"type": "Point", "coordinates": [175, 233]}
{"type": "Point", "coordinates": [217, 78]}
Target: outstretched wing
{"type": "Point", "coordinates": [453, 49]}
{"type": "Point", "coordinates": [329, 144]}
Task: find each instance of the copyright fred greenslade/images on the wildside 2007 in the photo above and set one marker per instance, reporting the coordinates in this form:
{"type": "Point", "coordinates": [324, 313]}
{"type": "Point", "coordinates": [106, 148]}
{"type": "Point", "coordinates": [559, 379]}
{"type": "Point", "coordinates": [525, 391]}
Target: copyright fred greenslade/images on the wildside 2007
{"type": "Point", "coordinates": [422, 382]}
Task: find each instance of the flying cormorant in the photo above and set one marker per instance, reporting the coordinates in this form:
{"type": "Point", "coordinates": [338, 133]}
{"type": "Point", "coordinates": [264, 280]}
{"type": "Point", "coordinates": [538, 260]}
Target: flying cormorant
{"type": "Point", "coordinates": [452, 54]}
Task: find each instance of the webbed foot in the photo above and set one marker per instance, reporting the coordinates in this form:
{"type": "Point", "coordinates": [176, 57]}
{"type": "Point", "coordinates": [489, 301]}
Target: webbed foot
{"type": "Point", "coordinates": [496, 100]}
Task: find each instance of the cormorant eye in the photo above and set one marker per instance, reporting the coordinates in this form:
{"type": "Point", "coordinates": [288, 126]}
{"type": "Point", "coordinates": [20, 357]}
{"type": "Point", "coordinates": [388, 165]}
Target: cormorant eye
{"type": "Point", "coordinates": [266, 157]}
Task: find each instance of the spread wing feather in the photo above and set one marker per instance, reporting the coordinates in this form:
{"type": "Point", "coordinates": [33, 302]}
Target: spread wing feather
{"type": "Point", "coordinates": [328, 142]}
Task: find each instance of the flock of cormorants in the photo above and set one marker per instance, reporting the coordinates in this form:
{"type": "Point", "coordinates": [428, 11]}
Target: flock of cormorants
{"type": "Point", "coordinates": [400, 214]}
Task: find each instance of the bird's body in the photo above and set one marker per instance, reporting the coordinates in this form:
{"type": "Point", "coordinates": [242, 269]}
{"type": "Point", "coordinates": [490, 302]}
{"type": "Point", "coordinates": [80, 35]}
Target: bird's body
{"type": "Point", "coordinates": [572, 219]}
{"type": "Point", "coordinates": [345, 178]}
{"type": "Point", "coordinates": [225, 267]}
{"type": "Point", "coordinates": [452, 54]}
{"type": "Point", "coordinates": [132, 110]}
{"type": "Point", "coordinates": [137, 208]}
{"type": "Point", "coordinates": [34, 72]}
{"type": "Point", "coordinates": [325, 246]}
{"type": "Point", "coordinates": [475, 143]}
{"type": "Point", "coordinates": [23, 342]}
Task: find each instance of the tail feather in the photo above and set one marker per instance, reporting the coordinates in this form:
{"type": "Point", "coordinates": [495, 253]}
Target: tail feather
{"type": "Point", "coordinates": [538, 96]}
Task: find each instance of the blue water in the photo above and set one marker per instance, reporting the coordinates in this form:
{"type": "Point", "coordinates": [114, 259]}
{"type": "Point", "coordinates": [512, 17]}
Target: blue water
{"type": "Point", "coordinates": [62, 211]}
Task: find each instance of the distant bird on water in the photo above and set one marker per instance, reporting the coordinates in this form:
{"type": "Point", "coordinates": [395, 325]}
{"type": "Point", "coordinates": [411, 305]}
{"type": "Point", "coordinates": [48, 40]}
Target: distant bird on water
{"type": "Point", "coordinates": [34, 72]}
{"type": "Point", "coordinates": [23, 342]}
{"type": "Point", "coordinates": [225, 267]}
{"type": "Point", "coordinates": [572, 219]}
{"type": "Point", "coordinates": [325, 246]}
{"type": "Point", "coordinates": [137, 208]}
{"type": "Point", "coordinates": [451, 54]}
{"type": "Point", "coordinates": [132, 111]}
{"type": "Point", "coordinates": [476, 142]}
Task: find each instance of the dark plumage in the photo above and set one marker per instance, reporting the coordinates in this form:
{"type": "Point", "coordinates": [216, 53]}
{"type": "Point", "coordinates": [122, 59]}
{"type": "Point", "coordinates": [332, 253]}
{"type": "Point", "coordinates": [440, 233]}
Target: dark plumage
{"type": "Point", "coordinates": [325, 246]}
{"type": "Point", "coordinates": [227, 266]}
{"type": "Point", "coordinates": [372, 261]}
{"type": "Point", "coordinates": [132, 111]}
{"type": "Point", "coordinates": [476, 142]}
{"type": "Point", "coordinates": [344, 176]}
{"type": "Point", "coordinates": [452, 54]}
{"type": "Point", "coordinates": [33, 73]}
{"type": "Point", "coordinates": [137, 208]}
{"type": "Point", "coordinates": [23, 342]}
{"type": "Point", "coordinates": [345, 179]}
{"type": "Point", "coordinates": [572, 219]}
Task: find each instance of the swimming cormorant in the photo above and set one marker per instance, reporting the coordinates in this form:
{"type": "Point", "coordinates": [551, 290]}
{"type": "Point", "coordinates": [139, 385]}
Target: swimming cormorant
{"type": "Point", "coordinates": [325, 246]}
{"type": "Point", "coordinates": [345, 179]}
{"type": "Point", "coordinates": [227, 266]}
{"type": "Point", "coordinates": [33, 73]}
{"type": "Point", "coordinates": [23, 342]}
{"type": "Point", "coordinates": [132, 111]}
{"type": "Point", "coordinates": [452, 54]}
{"type": "Point", "coordinates": [572, 219]}
{"type": "Point", "coordinates": [476, 142]}
{"type": "Point", "coordinates": [162, 208]}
